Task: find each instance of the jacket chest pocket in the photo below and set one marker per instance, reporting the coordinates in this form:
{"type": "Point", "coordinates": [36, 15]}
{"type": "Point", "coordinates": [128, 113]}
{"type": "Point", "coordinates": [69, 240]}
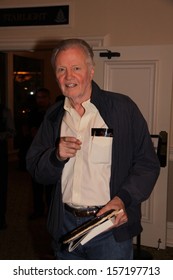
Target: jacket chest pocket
{"type": "Point", "coordinates": [101, 149]}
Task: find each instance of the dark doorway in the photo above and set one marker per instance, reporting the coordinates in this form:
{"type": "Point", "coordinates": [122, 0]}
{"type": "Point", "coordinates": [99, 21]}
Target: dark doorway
{"type": "Point", "coordinates": [27, 78]}
{"type": "Point", "coordinates": [3, 90]}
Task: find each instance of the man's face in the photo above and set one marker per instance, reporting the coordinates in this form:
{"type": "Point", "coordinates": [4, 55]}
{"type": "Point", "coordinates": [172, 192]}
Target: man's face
{"type": "Point", "coordinates": [74, 73]}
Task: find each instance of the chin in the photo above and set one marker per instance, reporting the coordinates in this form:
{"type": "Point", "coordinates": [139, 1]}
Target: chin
{"type": "Point", "coordinates": [72, 93]}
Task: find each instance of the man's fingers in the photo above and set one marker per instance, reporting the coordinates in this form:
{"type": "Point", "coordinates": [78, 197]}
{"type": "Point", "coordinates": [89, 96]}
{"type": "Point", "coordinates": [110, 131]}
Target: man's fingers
{"type": "Point", "coordinates": [68, 146]}
{"type": "Point", "coordinates": [121, 218]}
{"type": "Point", "coordinates": [69, 139]}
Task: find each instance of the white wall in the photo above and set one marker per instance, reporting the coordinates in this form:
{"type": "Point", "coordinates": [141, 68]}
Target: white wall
{"type": "Point", "coordinates": [128, 22]}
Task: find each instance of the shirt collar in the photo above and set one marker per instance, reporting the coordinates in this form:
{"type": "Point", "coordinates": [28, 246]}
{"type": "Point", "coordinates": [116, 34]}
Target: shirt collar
{"type": "Point", "coordinates": [86, 104]}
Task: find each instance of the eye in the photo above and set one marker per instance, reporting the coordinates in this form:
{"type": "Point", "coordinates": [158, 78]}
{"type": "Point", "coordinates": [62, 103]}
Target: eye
{"type": "Point", "coordinates": [60, 70]}
{"type": "Point", "coordinates": [76, 68]}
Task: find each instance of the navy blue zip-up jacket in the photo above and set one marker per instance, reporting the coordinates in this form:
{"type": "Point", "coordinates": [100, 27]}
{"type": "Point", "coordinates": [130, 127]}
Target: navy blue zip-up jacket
{"type": "Point", "coordinates": [135, 166]}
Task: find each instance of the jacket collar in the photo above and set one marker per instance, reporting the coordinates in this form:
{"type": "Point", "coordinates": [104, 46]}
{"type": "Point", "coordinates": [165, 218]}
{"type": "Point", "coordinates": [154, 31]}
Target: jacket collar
{"type": "Point", "coordinates": [103, 102]}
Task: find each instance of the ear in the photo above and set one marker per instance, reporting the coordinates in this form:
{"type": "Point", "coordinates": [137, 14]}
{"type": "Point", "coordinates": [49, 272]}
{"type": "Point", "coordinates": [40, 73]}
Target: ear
{"type": "Point", "coordinates": [92, 73]}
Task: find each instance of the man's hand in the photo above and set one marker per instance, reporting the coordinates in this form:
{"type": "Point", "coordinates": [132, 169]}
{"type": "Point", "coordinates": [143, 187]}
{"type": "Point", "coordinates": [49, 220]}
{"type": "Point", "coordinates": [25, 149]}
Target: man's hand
{"type": "Point", "coordinates": [117, 204]}
{"type": "Point", "coordinates": [68, 147]}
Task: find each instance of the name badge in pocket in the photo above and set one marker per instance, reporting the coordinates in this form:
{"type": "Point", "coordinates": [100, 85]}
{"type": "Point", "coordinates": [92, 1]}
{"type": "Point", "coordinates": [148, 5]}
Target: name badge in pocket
{"type": "Point", "coordinates": [104, 132]}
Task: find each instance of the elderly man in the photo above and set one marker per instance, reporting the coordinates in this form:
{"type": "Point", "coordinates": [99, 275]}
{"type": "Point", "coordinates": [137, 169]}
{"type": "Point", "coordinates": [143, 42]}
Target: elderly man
{"type": "Point", "coordinates": [93, 169]}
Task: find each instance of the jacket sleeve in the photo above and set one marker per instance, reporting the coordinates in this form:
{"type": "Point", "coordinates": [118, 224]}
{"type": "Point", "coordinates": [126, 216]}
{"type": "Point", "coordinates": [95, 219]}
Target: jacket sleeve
{"type": "Point", "coordinates": [139, 161]}
{"type": "Point", "coordinates": [41, 160]}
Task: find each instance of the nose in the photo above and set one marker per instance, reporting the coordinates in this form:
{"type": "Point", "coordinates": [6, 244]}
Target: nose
{"type": "Point", "coordinates": [68, 74]}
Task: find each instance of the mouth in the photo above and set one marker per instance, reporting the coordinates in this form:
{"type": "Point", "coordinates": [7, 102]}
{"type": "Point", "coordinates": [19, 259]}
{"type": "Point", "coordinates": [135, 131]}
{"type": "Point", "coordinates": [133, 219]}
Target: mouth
{"type": "Point", "coordinates": [71, 85]}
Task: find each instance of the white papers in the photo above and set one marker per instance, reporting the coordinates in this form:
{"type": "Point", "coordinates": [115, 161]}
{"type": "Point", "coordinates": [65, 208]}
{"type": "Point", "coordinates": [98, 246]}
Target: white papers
{"type": "Point", "coordinates": [106, 224]}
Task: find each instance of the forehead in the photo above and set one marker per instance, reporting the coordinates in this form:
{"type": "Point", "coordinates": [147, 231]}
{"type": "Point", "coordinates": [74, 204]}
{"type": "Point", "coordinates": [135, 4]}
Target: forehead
{"type": "Point", "coordinates": [72, 54]}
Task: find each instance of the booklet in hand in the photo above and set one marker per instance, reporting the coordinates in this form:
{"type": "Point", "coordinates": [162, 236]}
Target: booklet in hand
{"type": "Point", "coordinates": [90, 229]}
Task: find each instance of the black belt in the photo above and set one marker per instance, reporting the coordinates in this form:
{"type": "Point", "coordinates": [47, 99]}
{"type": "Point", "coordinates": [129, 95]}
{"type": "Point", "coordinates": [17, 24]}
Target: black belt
{"type": "Point", "coordinates": [83, 212]}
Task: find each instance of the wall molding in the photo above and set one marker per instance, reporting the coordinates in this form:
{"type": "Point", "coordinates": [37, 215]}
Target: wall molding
{"type": "Point", "coordinates": [30, 44]}
{"type": "Point", "coordinates": [169, 240]}
{"type": "Point", "coordinates": [171, 154]}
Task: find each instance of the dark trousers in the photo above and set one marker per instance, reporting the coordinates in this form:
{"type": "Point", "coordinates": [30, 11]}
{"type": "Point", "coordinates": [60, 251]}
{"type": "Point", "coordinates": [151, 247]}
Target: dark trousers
{"type": "Point", "coordinates": [3, 181]}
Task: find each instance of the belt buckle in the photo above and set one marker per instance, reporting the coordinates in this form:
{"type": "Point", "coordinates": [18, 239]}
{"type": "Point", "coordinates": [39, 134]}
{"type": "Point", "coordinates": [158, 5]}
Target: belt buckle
{"type": "Point", "coordinates": [94, 211]}
{"type": "Point", "coordinates": [91, 212]}
{"type": "Point", "coordinates": [84, 213]}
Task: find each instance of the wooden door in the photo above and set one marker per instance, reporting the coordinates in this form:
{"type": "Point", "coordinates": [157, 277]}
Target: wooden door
{"type": "Point", "coordinates": [145, 74]}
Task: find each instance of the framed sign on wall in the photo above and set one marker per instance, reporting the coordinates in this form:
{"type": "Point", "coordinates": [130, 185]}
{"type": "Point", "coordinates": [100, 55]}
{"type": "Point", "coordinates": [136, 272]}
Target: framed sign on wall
{"type": "Point", "coordinates": [35, 16]}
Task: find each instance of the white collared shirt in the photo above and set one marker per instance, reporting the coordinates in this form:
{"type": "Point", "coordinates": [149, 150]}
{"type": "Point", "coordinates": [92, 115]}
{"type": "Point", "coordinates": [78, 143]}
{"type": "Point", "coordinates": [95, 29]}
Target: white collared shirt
{"type": "Point", "coordinates": [86, 177]}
